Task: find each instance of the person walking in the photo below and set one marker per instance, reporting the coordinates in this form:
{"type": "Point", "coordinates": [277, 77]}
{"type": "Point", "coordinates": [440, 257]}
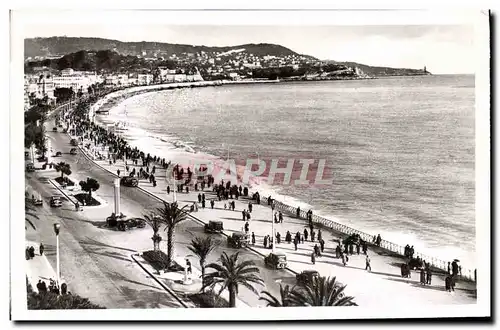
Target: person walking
{"type": "Point", "coordinates": [319, 235]}
{"type": "Point", "coordinates": [305, 234]}
{"type": "Point", "coordinates": [278, 238]}
{"type": "Point", "coordinates": [265, 242]}
{"type": "Point", "coordinates": [316, 250]}
{"type": "Point", "coordinates": [428, 279]}
{"type": "Point", "coordinates": [313, 258]}
{"type": "Point", "coordinates": [275, 218]}
{"type": "Point", "coordinates": [298, 212]}
{"type": "Point", "coordinates": [42, 248]}
{"type": "Point", "coordinates": [295, 242]}
{"type": "Point", "coordinates": [212, 203]}
{"type": "Point", "coordinates": [422, 276]}
{"type": "Point", "coordinates": [365, 247]}
{"type": "Point", "coordinates": [322, 245]}
{"type": "Point", "coordinates": [368, 265]}
{"type": "Point", "coordinates": [247, 227]}
{"type": "Point", "coordinates": [253, 238]}
{"type": "Point", "coordinates": [203, 203]}
{"type": "Point", "coordinates": [199, 198]}
{"type": "Point", "coordinates": [312, 235]}
{"type": "Point", "coordinates": [280, 217]}
{"type": "Point", "coordinates": [250, 207]}
{"type": "Point", "coordinates": [358, 248]}
{"type": "Point", "coordinates": [248, 213]}
{"type": "Point", "coordinates": [344, 258]}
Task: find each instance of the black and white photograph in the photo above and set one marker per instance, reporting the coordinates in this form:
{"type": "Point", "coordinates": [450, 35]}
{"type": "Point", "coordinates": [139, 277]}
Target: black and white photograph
{"type": "Point", "coordinates": [198, 165]}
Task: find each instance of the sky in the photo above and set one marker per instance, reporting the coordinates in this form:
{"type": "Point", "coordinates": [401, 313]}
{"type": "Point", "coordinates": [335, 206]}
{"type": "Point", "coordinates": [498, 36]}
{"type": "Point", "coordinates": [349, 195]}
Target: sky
{"type": "Point", "coordinates": [446, 47]}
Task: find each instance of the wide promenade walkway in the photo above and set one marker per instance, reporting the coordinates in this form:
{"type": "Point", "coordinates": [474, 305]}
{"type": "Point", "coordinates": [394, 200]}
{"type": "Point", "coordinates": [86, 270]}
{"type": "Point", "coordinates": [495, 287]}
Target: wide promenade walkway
{"type": "Point", "coordinates": [368, 288]}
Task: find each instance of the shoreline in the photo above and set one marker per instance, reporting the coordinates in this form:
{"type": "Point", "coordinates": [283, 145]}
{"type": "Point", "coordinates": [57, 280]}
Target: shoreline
{"type": "Point", "coordinates": [396, 248]}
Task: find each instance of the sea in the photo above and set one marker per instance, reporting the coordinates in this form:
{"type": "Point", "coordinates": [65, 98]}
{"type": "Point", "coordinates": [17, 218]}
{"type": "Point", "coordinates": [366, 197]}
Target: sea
{"type": "Point", "coordinates": [399, 151]}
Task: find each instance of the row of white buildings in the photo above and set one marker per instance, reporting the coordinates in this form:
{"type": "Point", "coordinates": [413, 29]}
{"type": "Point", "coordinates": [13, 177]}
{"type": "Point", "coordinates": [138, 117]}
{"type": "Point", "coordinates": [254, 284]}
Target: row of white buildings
{"type": "Point", "coordinates": [43, 84]}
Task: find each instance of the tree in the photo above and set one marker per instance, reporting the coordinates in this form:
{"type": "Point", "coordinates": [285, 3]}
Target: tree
{"type": "Point", "coordinates": [89, 186]}
{"type": "Point", "coordinates": [63, 94]}
{"type": "Point", "coordinates": [202, 247]}
{"type": "Point", "coordinates": [282, 301]}
{"type": "Point", "coordinates": [231, 273]}
{"type": "Point", "coordinates": [155, 223]}
{"type": "Point", "coordinates": [321, 291]}
{"type": "Point", "coordinates": [40, 142]}
{"type": "Point", "coordinates": [63, 168]}
{"type": "Point", "coordinates": [171, 215]}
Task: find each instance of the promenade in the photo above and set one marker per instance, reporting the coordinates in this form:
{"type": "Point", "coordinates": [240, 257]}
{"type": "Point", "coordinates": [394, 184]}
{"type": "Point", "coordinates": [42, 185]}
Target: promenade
{"type": "Point", "coordinates": [368, 288]}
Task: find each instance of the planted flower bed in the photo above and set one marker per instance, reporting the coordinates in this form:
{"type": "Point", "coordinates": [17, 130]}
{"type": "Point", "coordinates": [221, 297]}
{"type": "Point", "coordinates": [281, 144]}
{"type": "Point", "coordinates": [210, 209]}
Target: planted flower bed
{"type": "Point", "coordinates": [84, 197]}
{"type": "Point", "coordinates": [158, 260]}
{"type": "Point", "coordinates": [208, 300]}
{"type": "Point", "coordinates": [65, 181]}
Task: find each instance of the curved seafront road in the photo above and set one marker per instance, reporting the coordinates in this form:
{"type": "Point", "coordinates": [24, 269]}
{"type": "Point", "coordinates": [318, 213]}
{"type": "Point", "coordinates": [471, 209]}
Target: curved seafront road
{"type": "Point", "coordinates": [95, 261]}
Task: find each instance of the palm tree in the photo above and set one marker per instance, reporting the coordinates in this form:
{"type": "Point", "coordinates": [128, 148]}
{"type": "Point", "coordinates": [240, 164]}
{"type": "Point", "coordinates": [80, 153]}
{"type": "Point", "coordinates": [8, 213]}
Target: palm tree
{"type": "Point", "coordinates": [230, 274]}
{"type": "Point", "coordinates": [63, 168]}
{"type": "Point", "coordinates": [155, 223]}
{"type": "Point", "coordinates": [321, 291]}
{"type": "Point", "coordinates": [171, 215]}
{"type": "Point", "coordinates": [89, 186]}
{"type": "Point", "coordinates": [202, 247]}
{"type": "Point", "coordinates": [282, 301]}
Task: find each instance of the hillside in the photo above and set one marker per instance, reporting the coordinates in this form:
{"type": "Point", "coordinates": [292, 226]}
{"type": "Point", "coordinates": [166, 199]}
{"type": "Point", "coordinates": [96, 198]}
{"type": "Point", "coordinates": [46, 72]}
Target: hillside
{"type": "Point", "coordinates": [58, 46]}
{"type": "Point", "coordinates": [378, 71]}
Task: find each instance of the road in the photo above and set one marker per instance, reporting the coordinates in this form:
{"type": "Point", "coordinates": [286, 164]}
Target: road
{"type": "Point", "coordinates": [95, 260]}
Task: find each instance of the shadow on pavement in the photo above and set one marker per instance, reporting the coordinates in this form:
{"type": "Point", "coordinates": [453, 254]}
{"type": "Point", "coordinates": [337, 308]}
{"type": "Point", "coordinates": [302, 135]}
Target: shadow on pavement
{"type": "Point", "coordinates": [149, 298]}
{"type": "Point", "coordinates": [120, 277]}
{"type": "Point", "coordinates": [91, 241]}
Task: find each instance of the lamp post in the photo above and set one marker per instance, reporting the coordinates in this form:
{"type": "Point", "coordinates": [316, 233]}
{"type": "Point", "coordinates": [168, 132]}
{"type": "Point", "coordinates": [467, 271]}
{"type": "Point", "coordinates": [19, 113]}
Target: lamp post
{"type": "Point", "coordinates": [272, 221]}
{"type": "Point", "coordinates": [57, 227]}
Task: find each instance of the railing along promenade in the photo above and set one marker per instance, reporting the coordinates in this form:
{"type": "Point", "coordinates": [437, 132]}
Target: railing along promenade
{"type": "Point", "coordinates": [468, 274]}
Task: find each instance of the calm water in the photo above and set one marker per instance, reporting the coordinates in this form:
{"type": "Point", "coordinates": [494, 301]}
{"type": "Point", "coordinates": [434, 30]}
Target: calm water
{"type": "Point", "coordinates": [400, 150]}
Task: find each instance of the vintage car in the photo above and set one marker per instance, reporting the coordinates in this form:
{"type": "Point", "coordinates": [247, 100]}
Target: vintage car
{"type": "Point", "coordinates": [275, 260]}
{"type": "Point", "coordinates": [135, 223]}
{"type": "Point", "coordinates": [58, 154]}
{"type": "Point", "coordinates": [214, 227]}
{"type": "Point", "coordinates": [30, 167]}
{"type": "Point", "coordinates": [306, 277]}
{"type": "Point", "coordinates": [55, 201]}
{"type": "Point", "coordinates": [74, 142]}
{"type": "Point", "coordinates": [116, 221]}
{"type": "Point", "coordinates": [238, 240]}
{"type": "Point", "coordinates": [37, 200]}
{"type": "Point", "coordinates": [54, 129]}
{"type": "Point", "coordinates": [72, 151]}
{"type": "Point", "coordinates": [129, 181]}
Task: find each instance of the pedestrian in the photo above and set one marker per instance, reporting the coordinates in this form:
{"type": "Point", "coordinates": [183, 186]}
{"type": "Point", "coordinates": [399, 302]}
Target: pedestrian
{"type": "Point", "coordinates": [118, 172]}
{"type": "Point", "coordinates": [39, 286]}
{"type": "Point", "coordinates": [344, 258]}
{"type": "Point", "coordinates": [338, 250]}
{"type": "Point", "coordinates": [288, 237]}
{"type": "Point", "coordinates": [449, 268]}
{"type": "Point", "coordinates": [322, 245]}
{"type": "Point", "coordinates": [154, 183]}
{"type": "Point", "coordinates": [189, 269]}
{"type": "Point", "coordinates": [244, 214]}
{"type": "Point", "coordinates": [298, 213]}
{"type": "Point", "coordinates": [202, 197]}
{"type": "Point", "coordinates": [447, 283]}
{"type": "Point", "coordinates": [265, 242]}
{"type": "Point", "coordinates": [295, 242]}
{"type": "Point", "coordinates": [168, 190]}
{"type": "Point", "coordinates": [225, 206]}
{"type": "Point", "coordinates": [368, 265]}
{"type": "Point", "coordinates": [319, 235]}
{"type": "Point", "coordinates": [248, 214]}
{"type": "Point", "coordinates": [253, 238]}
{"type": "Point", "coordinates": [357, 248]}
{"type": "Point", "coordinates": [313, 258]}
{"type": "Point", "coordinates": [32, 251]}
{"type": "Point", "coordinates": [278, 238]}
{"type": "Point", "coordinates": [203, 203]}
{"type": "Point", "coordinates": [312, 235]}
{"type": "Point", "coordinates": [199, 198]}
{"type": "Point", "coordinates": [428, 279]}
{"type": "Point", "coordinates": [250, 207]}
{"type": "Point", "coordinates": [247, 227]}
{"type": "Point", "coordinates": [316, 250]}
{"type": "Point", "coordinates": [280, 217]}
{"type": "Point", "coordinates": [212, 203]}
{"type": "Point", "coordinates": [305, 234]}
{"type": "Point", "coordinates": [351, 249]}
{"type": "Point", "coordinates": [64, 288]}
{"type": "Point", "coordinates": [365, 247]}
{"type": "Point", "coordinates": [42, 248]}
{"type": "Point", "coordinates": [275, 218]}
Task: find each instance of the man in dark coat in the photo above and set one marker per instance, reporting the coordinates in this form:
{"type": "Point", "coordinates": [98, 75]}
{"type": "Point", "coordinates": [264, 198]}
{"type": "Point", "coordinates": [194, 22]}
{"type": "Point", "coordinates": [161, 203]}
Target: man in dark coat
{"type": "Point", "coordinates": [253, 238]}
{"type": "Point", "coordinates": [298, 212]}
{"type": "Point", "coordinates": [313, 258]}
{"type": "Point", "coordinates": [312, 235]}
{"type": "Point", "coordinates": [322, 245]}
{"type": "Point", "coordinates": [305, 234]}
{"type": "Point", "coordinates": [295, 242]}
{"type": "Point", "coordinates": [278, 238]}
{"type": "Point", "coordinates": [316, 250]}
{"type": "Point", "coordinates": [199, 198]}
{"type": "Point", "coordinates": [250, 207]}
{"type": "Point", "coordinates": [212, 203]}
{"type": "Point", "coordinates": [42, 248]}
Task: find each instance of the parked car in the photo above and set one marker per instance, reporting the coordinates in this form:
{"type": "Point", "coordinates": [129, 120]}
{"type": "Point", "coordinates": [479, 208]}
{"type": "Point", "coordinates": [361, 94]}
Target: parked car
{"type": "Point", "coordinates": [129, 181]}
{"type": "Point", "coordinates": [54, 129]}
{"type": "Point", "coordinates": [214, 227]}
{"type": "Point", "coordinates": [275, 260]}
{"type": "Point", "coordinates": [238, 240]}
{"type": "Point", "coordinates": [30, 167]}
{"type": "Point", "coordinates": [38, 201]}
{"type": "Point", "coordinates": [72, 151]}
{"type": "Point", "coordinates": [74, 142]}
{"type": "Point", "coordinates": [55, 201]}
{"type": "Point", "coordinates": [135, 223]}
{"type": "Point", "coordinates": [58, 154]}
{"type": "Point", "coordinates": [306, 277]}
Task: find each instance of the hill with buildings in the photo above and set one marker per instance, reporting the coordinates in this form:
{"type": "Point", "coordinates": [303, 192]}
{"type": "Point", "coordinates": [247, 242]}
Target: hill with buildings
{"type": "Point", "coordinates": [59, 46]}
{"type": "Point", "coordinates": [378, 71]}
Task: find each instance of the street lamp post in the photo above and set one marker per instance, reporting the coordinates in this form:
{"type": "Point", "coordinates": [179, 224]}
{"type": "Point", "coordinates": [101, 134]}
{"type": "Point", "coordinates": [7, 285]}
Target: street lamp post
{"type": "Point", "coordinates": [272, 221]}
{"type": "Point", "coordinates": [57, 227]}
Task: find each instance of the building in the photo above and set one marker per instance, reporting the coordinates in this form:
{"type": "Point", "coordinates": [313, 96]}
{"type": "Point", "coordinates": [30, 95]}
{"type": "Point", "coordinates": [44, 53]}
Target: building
{"type": "Point", "coordinates": [77, 80]}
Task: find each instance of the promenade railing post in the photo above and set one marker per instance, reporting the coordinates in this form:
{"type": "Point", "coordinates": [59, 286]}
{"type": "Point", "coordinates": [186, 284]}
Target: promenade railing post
{"type": "Point", "coordinates": [57, 227]}
{"type": "Point", "coordinates": [117, 196]}
{"type": "Point", "coordinates": [272, 221]}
